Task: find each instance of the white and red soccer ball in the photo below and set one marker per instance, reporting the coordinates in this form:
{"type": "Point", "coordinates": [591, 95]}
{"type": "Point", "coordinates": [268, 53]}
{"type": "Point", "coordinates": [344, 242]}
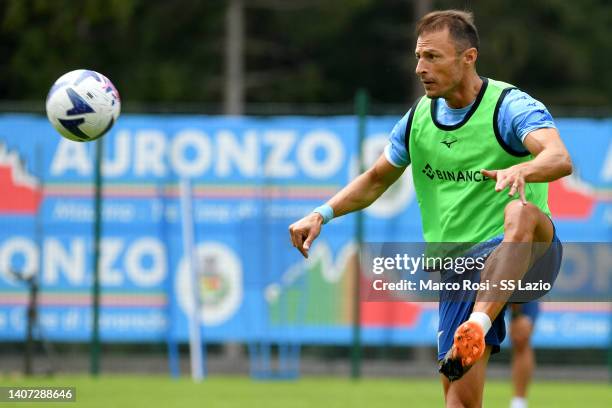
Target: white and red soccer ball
{"type": "Point", "coordinates": [83, 105]}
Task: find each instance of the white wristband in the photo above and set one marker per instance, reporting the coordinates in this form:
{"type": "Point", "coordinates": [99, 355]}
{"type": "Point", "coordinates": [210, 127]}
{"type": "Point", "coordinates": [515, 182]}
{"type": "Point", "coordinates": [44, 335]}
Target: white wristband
{"type": "Point", "coordinates": [326, 212]}
{"type": "Point", "coordinates": [482, 319]}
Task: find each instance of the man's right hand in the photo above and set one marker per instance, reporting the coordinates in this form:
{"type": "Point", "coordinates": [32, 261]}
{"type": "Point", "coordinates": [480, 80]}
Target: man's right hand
{"type": "Point", "coordinates": [304, 231]}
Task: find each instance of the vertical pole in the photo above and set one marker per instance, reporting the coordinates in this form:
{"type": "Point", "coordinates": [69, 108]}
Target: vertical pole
{"type": "Point", "coordinates": [31, 315]}
{"type": "Point", "coordinates": [195, 339]}
{"type": "Point", "coordinates": [234, 58]}
{"type": "Point", "coordinates": [159, 216]}
{"type": "Point", "coordinates": [421, 7]}
{"type": "Point", "coordinates": [234, 94]}
{"type": "Point", "coordinates": [95, 332]}
{"type": "Point", "coordinates": [361, 107]}
{"type": "Point", "coordinates": [32, 281]}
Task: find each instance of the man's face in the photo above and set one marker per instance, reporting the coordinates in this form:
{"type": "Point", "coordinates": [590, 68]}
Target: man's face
{"type": "Point", "coordinates": [439, 66]}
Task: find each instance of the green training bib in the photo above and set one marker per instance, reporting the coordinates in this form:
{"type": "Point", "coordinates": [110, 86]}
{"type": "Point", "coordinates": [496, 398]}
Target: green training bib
{"type": "Point", "coordinates": [457, 203]}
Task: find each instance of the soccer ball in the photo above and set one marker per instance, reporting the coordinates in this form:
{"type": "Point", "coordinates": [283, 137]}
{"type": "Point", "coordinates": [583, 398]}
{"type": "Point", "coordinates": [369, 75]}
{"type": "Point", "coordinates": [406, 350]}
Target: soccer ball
{"type": "Point", "coordinates": [83, 105]}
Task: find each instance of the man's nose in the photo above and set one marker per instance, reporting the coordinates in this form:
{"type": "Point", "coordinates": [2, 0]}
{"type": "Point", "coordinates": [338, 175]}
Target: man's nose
{"type": "Point", "coordinates": [420, 67]}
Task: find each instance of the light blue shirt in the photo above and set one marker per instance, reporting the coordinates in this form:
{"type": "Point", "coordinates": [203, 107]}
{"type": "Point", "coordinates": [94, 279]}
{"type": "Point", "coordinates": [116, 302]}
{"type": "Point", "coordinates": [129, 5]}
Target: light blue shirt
{"type": "Point", "coordinates": [519, 115]}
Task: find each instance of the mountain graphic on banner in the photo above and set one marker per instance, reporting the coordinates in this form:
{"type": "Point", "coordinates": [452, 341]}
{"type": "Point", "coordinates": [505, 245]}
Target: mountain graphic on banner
{"type": "Point", "coordinates": [20, 191]}
{"type": "Point", "coordinates": [320, 292]}
{"type": "Point", "coordinates": [572, 198]}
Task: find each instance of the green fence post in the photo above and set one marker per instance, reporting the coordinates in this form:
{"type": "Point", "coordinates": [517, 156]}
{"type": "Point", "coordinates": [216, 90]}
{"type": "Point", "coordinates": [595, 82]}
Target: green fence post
{"type": "Point", "coordinates": [95, 332]}
{"type": "Point", "coordinates": [361, 107]}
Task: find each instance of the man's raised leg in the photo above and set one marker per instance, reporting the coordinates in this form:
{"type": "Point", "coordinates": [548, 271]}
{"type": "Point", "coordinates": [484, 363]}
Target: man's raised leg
{"type": "Point", "coordinates": [523, 225]}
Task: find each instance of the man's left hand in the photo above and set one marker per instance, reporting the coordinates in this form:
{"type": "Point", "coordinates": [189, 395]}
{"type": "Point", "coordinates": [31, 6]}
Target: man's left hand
{"type": "Point", "coordinates": [511, 177]}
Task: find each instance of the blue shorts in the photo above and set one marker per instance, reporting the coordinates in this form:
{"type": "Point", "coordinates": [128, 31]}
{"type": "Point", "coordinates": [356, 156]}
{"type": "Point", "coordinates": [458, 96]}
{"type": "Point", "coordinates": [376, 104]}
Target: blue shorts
{"type": "Point", "coordinates": [529, 309]}
{"type": "Point", "coordinates": [453, 313]}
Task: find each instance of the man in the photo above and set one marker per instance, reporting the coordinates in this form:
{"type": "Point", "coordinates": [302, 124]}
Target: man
{"type": "Point", "coordinates": [484, 128]}
{"type": "Point", "coordinates": [523, 318]}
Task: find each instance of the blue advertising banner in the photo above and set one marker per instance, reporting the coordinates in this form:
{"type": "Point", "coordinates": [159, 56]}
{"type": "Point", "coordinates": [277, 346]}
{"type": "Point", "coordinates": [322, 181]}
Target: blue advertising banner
{"type": "Point", "coordinates": [251, 177]}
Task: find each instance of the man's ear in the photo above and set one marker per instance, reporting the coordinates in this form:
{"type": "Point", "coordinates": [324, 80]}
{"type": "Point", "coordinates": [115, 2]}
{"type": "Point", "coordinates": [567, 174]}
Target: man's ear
{"type": "Point", "coordinates": [470, 56]}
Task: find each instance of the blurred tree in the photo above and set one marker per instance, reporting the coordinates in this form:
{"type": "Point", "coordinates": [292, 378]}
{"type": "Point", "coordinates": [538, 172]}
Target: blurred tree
{"type": "Point", "coordinates": [152, 50]}
{"type": "Point", "coordinates": [299, 51]}
{"type": "Point", "coordinates": [321, 51]}
{"type": "Point", "coordinates": [557, 50]}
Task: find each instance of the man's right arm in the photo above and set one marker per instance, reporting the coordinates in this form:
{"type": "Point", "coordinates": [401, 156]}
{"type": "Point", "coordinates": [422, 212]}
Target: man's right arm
{"type": "Point", "coordinates": [365, 189]}
{"type": "Point", "coordinates": [358, 194]}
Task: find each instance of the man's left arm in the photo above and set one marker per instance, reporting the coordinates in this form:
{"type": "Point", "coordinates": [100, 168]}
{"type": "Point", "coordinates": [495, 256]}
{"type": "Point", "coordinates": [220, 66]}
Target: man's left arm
{"type": "Point", "coordinates": [551, 162]}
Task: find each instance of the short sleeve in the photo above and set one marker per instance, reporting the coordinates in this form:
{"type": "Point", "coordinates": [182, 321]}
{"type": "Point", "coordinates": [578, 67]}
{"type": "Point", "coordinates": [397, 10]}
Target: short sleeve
{"type": "Point", "coordinates": [395, 151]}
{"type": "Point", "coordinates": [519, 115]}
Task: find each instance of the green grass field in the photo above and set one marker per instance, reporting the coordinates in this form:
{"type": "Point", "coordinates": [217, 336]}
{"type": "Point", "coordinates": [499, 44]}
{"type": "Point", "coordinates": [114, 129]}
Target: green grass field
{"type": "Point", "coordinates": [235, 392]}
